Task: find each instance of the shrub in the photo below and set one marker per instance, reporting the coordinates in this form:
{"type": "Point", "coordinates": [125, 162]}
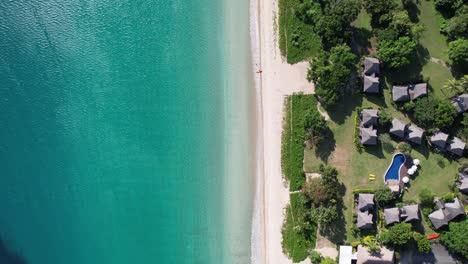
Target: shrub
{"type": "Point", "coordinates": [426, 197]}
{"type": "Point", "coordinates": [363, 190]}
{"type": "Point", "coordinates": [458, 51]}
{"type": "Point", "coordinates": [384, 118]}
{"type": "Point", "coordinates": [383, 196]}
{"type": "Point", "coordinates": [400, 234]}
{"type": "Point", "coordinates": [315, 257]}
{"type": "Point", "coordinates": [448, 198]}
{"type": "Point", "coordinates": [457, 237]}
{"type": "Point", "coordinates": [396, 54]}
{"type": "Point", "coordinates": [423, 244]}
{"type": "Point", "coordinates": [404, 148]}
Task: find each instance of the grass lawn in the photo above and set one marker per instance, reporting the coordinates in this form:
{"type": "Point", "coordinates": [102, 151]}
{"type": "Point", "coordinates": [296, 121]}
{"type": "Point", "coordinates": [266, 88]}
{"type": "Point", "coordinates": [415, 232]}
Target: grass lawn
{"type": "Point", "coordinates": [431, 39]}
{"type": "Point", "coordinates": [297, 41]}
{"type": "Point", "coordinates": [438, 76]}
{"type": "Point", "coordinates": [354, 167]}
{"type": "Point", "coordinates": [363, 20]}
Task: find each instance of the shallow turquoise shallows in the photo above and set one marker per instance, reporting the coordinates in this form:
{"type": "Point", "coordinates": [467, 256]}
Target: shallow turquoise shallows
{"type": "Point", "coordinates": [113, 123]}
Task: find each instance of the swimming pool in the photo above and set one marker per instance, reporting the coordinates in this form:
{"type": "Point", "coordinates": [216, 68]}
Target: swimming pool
{"type": "Point", "coordinates": [393, 172]}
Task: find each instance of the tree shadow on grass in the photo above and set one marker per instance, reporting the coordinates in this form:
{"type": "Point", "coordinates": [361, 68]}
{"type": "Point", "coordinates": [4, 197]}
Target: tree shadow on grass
{"type": "Point", "coordinates": [375, 150]}
{"type": "Point", "coordinates": [378, 100]}
{"type": "Point", "coordinates": [326, 147]}
{"type": "Point", "coordinates": [413, 11]}
{"type": "Point", "coordinates": [344, 108]}
{"type": "Point", "coordinates": [336, 232]}
{"type": "Point", "coordinates": [9, 257]}
{"type": "Point", "coordinates": [412, 72]}
{"type": "Point", "coordinates": [360, 43]}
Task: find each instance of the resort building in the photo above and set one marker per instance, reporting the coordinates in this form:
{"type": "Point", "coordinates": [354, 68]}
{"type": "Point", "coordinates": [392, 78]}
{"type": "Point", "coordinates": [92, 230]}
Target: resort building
{"type": "Point", "coordinates": [370, 73]}
{"type": "Point", "coordinates": [456, 146]}
{"type": "Point", "coordinates": [369, 118]}
{"type": "Point", "coordinates": [463, 181]}
{"type": "Point", "coordinates": [364, 210]}
{"type": "Point", "coordinates": [384, 256]}
{"type": "Point", "coordinates": [415, 134]}
{"type": "Point", "coordinates": [368, 135]}
{"type": "Point", "coordinates": [392, 215]}
{"type": "Point", "coordinates": [400, 93]}
{"type": "Point", "coordinates": [439, 140]}
{"type": "Point", "coordinates": [410, 213]}
{"type": "Point", "coordinates": [446, 213]}
{"type": "Point", "coordinates": [460, 103]}
{"type": "Point", "coordinates": [398, 128]}
{"type": "Point", "coordinates": [417, 90]}
{"type": "Point", "coordinates": [403, 93]}
{"type": "Point", "coordinates": [346, 255]}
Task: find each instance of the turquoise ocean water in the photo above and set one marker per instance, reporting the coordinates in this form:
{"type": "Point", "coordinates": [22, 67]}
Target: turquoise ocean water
{"type": "Point", "coordinates": [125, 131]}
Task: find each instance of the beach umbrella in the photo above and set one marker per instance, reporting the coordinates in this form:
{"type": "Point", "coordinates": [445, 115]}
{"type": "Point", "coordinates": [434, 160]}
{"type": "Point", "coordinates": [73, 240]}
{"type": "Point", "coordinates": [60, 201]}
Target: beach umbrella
{"type": "Point", "coordinates": [405, 179]}
{"type": "Point", "coordinates": [411, 171]}
{"type": "Point", "coordinates": [416, 162]}
{"type": "Point", "coordinates": [415, 168]}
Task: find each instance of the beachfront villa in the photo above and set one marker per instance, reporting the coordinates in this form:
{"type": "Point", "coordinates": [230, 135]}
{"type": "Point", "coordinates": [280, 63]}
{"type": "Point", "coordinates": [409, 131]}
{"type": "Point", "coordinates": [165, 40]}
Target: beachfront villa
{"type": "Point", "coordinates": [456, 146]}
{"type": "Point", "coordinates": [367, 132]}
{"type": "Point", "coordinates": [439, 140]}
{"type": "Point", "coordinates": [463, 181]}
{"type": "Point", "coordinates": [398, 128]}
{"type": "Point", "coordinates": [408, 213]}
{"type": "Point", "coordinates": [364, 210]}
{"type": "Point", "coordinates": [460, 103]}
{"type": "Point", "coordinates": [404, 93]}
{"type": "Point", "coordinates": [384, 256]}
{"type": "Point", "coordinates": [370, 75]}
{"type": "Point", "coordinates": [446, 213]}
{"type": "Point", "coordinates": [415, 134]}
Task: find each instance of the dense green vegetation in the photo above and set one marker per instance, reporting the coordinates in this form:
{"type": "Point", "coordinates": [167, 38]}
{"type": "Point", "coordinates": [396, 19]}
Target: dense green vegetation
{"type": "Point", "coordinates": [299, 231]}
{"type": "Point", "coordinates": [396, 53]}
{"type": "Point", "coordinates": [383, 196]}
{"type": "Point", "coordinates": [297, 40]}
{"type": "Point", "coordinates": [457, 237]}
{"type": "Point", "coordinates": [302, 122]}
{"type": "Point", "coordinates": [431, 113]}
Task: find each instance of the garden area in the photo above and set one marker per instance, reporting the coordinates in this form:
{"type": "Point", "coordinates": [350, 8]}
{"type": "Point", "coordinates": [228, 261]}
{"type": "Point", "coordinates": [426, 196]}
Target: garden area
{"type": "Point", "coordinates": [417, 42]}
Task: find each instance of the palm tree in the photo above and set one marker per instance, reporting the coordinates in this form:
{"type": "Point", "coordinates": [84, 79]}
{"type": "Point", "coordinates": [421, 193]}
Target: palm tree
{"type": "Point", "coordinates": [452, 85]}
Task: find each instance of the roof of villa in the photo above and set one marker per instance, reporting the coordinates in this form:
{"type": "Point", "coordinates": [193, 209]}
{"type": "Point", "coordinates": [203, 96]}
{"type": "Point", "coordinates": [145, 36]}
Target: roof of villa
{"type": "Point", "coordinates": [439, 139]}
{"type": "Point", "coordinates": [456, 146]}
{"type": "Point", "coordinates": [364, 220]}
{"type": "Point", "coordinates": [411, 211]}
{"type": "Point", "coordinates": [368, 136]}
{"type": "Point", "coordinates": [400, 93]}
{"type": "Point", "coordinates": [385, 256]}
{"type": "Point", "coordinates": [346, 255]}
{"type": "Point", "coordinates": [464, 185]}
{"type": "Point", "coordinates": [398, 128]}
{"type": "Point", "coordinates": [369, 117]}
{"type": "Point", "coordinates": [365, 201]}
{"type": "Point", "coordinates": [392, 215]}
{"type": "Point", "coordinates": [415, 134]}
{"type": "Point", "coordinates": [370, 84]}
{"type": "Point", "coordinates": [371, 66]}
{"type": "Point", "coordinates": [461, 103]}
{"type": "Point", "coordinates": [446, 213]}
{"type": "Point", "coordinates": [417, 90]}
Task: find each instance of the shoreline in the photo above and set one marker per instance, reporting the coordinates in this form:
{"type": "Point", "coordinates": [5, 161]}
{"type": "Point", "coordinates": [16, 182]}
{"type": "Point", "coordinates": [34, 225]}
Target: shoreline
{"type": "Point", "coordinates": [277, 80]}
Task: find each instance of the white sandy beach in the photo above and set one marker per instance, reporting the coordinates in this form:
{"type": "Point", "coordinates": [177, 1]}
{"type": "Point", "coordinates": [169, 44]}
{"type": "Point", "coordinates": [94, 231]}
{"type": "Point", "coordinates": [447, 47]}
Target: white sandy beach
{"type": "Point", "coordinates": [277, 80]}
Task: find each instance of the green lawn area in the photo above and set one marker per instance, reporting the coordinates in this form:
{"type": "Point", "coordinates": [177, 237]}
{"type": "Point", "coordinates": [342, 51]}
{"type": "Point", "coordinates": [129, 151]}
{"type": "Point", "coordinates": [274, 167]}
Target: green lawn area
{"type": "Point", "coordinates": [436, 171]}
{"type": "Point", "coordinates": [297, 41]}
{"type": "Point", "coordinates": [438, 76]}
{"type": "Point", "coordinates": [363, 20]}
{"type": "Point", "coordinates": [431, 39]}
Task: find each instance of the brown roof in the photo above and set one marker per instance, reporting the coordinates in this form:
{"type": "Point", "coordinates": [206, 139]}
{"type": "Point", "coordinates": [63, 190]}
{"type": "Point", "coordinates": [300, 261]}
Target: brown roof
{"type": "Point", "coordinates": [385, 256]}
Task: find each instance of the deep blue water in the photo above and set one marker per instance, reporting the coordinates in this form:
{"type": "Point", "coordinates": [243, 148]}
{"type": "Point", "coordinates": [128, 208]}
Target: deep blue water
{"type": "Point", "coordinates": [394, 170]}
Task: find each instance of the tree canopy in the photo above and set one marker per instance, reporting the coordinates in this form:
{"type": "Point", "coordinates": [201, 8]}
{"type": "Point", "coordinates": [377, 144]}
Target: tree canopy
{"type": "Point", "coordinates": [445, 114]}
{"type": "Point", "coordinates": [426, 198]}
{"type": "Point", "coordinates": [458, 51]}
{"type": "Point", "coordinates": [399, 234]}
{"type": "Point", "coordinates": [396, 54]}
{"type": "Point", "coordinates": [383, 196]}
{"type": "Point", "coordinates": [457, 237]}
{"type": "Point", "coordinates": [423, 244]}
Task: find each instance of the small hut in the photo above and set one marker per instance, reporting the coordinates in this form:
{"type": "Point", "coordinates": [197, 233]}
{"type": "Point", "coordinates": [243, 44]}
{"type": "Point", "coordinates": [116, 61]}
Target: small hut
{"type": "Point", "coordinates": [398, 128]}
{"type": "Point", "coordinates": [392, 215]}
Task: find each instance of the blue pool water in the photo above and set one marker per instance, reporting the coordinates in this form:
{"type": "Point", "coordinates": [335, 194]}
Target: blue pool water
{"type": "Point", "coordinates": [393, 171]}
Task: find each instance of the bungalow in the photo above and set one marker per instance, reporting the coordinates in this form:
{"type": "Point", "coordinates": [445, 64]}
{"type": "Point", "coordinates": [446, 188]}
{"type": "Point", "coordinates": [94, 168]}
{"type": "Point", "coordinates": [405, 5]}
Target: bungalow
{"type": "Point", "coordinates": [410, 212]}
{"type": "Point", "coordinates": [400, 93]}
{"type": "Point", "coordinates": [365, 201]}
{"type": "Point", "coordinates": [371, 66]}
{"type": "Point", "coordinates": [398, 128]}
{"type": "Point", "coordinates": [439, 139]}
{"type": "Point", "coordinates": [446, 213]}
{"type": "Point", "coordinates": [463, 178]}
{"type": "Point", "coordinates": [415, 134]}
{"type": "Point", "coordinates": [368, 135]}
{"type": "Point", "coordinates": [369, 117]}
{"type": "Point", "coordinates": [364, 220]}
{"type": "Point", "coordinates": [384, 256]}
{"type": "Point", "coordinates": [392, 215]}
{"type": "Point", "coordinates": [370, 84]}
{"type": "Point", "coordinates": [403, 93]}
{"type": "Point", "coordinates": [460, 103]}
{"type": "Point", "coordinates": [456, 146]}
{"type": "Point", "coordinates": [417, 90]}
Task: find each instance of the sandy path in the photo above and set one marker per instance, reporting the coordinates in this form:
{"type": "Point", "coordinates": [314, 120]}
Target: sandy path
{"type": "Point", "coordinates": [278, 80]}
